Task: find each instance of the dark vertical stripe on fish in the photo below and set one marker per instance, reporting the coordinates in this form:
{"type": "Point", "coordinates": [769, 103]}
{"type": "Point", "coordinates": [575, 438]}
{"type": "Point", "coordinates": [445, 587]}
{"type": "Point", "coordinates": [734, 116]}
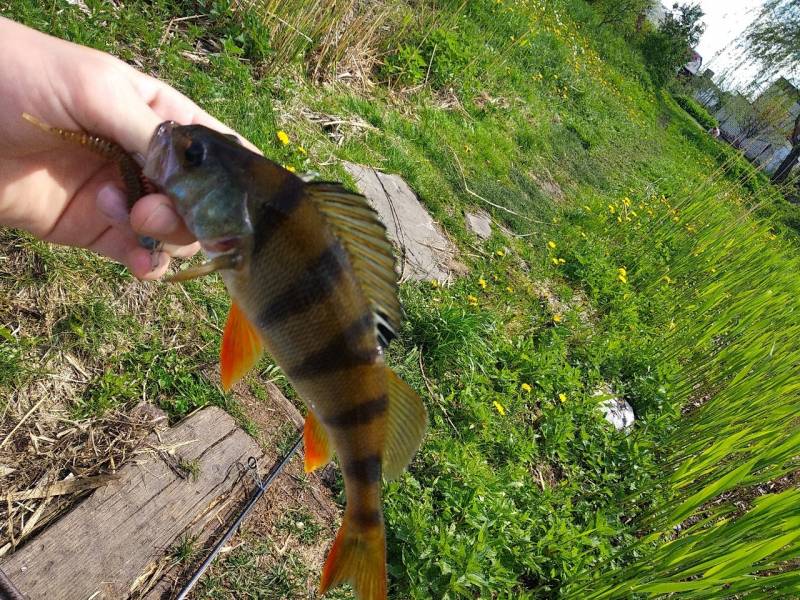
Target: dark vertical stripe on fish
{"type": "Point", "coordinates": [361, 414]}
{"type": "Point", "coordinates": [313, 286]}
{"type": "Point", "coordinates": [273, 213]}
{"type": "Point", "coordinates": [367, 518]}
{"type": "Point", "coordinates": [345, 351]}
{"type": "Point", "coordinates": [364, 470]}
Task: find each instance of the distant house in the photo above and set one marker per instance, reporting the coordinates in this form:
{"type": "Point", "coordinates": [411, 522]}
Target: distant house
{"type": "Point", "coordinates": [759, 129]}
{"type": "Point", "coordinates": [691, 68]}
{"type": "Point", "coordinates": [781, 102]}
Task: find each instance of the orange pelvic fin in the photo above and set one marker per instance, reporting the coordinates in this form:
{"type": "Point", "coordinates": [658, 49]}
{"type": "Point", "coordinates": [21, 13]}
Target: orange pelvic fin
{"type": "Point", "coordinates": [318, 451]}
{"type": "Point", "coordinates": [358, 557]}
{"type": "Point", "coordinates": [242, 346]}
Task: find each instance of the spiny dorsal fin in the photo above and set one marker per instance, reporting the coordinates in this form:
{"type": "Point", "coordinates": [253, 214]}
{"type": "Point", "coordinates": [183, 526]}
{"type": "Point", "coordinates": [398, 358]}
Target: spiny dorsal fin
{"type": "Point", "coordinates": [357, 226]}
{"type": "Point", "coordinates": [405, 426]}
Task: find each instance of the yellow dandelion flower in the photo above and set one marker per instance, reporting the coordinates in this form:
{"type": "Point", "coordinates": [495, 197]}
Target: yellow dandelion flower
{"type": "Point", "coordinates": [551, 245]}
{"type": "Point", "coordinates": [526, 388]}
{"type": "Point", "coordinates": [626, 201]}
{"type": "Point", "coordinates": [302, 150]}
{"type": "Point", "coordinates": [283, 137]}
{"type": "Point", "coordinates": [557, 318]}
{"type": "Point", "coordinates": [499, 408]}
{"type": "Point", "coordinates": [562, 397]}
{"type": "Point", "coordinates": [612, 209]}
{"type": "Point", "coordinates": [510, 290]}
{"type": "Point", "coordinates": [434, 283]}
{"type": "Point", "coordinates": [289, 168]}
{"type": "Point", "coordinates": [473, 301]}
{"type": "Point", "coordinates": [561, 261]}
{"type": "Point", "coordinates": [554, 260]}
{"type": "Point", "coordinates": [482, 283]}
{"type": "Point", "coordinates": [500, 253]}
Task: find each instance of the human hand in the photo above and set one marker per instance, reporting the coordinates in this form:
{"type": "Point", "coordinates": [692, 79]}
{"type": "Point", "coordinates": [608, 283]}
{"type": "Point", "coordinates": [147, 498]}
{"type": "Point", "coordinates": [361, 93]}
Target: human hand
{"type": "Point", "coordinates": [65, 194]}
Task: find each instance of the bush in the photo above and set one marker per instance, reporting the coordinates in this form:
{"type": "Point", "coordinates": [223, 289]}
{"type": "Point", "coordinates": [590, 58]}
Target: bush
{"type": "Point", "coordinates": [699, 113]}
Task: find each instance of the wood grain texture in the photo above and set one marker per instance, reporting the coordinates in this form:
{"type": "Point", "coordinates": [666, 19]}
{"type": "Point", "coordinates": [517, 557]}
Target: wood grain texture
{"type": "Point", "coordinates": [100, 548]}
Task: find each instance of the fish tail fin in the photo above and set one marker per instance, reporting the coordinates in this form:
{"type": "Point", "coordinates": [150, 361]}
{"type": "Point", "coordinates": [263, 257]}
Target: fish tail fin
{"type": "Point", "coordinates": [358, 556]}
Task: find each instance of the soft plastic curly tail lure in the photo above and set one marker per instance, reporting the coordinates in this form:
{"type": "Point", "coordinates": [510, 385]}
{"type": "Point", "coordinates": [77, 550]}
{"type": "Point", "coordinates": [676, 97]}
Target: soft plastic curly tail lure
{"type": "Point", "coordinates": [135, 183]}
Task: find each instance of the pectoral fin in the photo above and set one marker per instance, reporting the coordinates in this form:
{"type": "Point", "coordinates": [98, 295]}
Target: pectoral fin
{"type": "Point", "coordinates": [318, 451]}
{"type": "Point", "coordinates": [242, 346]}
{"type": "Point", "coordinates": [406, 421]}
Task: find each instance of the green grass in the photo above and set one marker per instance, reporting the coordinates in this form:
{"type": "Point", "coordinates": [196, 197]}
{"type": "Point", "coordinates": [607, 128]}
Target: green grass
{"type": "Point", "coordinates": [667, 272]}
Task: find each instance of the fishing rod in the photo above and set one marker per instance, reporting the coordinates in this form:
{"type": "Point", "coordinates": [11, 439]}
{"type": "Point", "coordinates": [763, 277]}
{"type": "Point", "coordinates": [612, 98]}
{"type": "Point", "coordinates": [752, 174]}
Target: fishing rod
{"type": "Point", "coordinates": [261, 487]}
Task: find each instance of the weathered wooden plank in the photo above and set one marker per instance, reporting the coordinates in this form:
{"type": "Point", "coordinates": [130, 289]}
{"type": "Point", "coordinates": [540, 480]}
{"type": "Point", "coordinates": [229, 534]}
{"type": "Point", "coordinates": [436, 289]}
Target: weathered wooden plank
{"type": "Point", "coordinates": [102, 546]}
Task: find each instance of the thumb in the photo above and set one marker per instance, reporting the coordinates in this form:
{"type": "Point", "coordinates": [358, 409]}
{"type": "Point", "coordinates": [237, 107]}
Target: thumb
{"type": "Point", "coordinates": [108, 104]}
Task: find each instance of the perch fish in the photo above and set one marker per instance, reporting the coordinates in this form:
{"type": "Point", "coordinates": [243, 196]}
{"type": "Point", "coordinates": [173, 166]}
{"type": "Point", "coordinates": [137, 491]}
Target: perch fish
{"type": "Point", "coordinates": [311, 276]}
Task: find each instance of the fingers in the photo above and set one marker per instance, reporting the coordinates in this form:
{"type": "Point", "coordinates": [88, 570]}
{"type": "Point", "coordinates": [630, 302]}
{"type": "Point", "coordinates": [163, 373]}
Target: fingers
{"type": "Point", "coordinates": [154, 216]}
{"type": "Point", "coordinates": [170, 105]}
{"type": "Point", "coordinates": [123, 247]}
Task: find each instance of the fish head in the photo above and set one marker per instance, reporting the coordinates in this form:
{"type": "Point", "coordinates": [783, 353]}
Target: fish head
{"type": "Point", "coordinates": [205, 173]}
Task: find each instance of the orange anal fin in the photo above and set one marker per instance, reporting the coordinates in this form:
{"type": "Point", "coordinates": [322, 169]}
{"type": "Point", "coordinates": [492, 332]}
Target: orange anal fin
{"type": "Point", "coordinates": [357, 557]}
{"type": "Point", "coordinates": [242, 346]}
{"type": "Point", "coordinates": [318, 451]}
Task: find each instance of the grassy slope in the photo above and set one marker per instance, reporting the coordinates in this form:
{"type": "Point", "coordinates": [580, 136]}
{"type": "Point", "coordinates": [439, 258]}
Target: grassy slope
{"type": "Point", "coordinates": [520, 487]}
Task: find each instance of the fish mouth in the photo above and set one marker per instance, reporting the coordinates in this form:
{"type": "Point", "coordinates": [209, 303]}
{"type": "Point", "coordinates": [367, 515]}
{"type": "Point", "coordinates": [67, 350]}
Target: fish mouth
{"type": "Point", "coordinates": [160, 161]}
{"type": "Point", "coordinates": [227, 245]}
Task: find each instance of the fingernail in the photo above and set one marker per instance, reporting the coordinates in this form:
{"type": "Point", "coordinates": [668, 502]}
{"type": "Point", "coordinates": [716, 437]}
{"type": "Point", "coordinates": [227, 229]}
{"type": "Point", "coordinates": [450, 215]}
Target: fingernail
{"type": "Point", "coordinates": [112, 204]}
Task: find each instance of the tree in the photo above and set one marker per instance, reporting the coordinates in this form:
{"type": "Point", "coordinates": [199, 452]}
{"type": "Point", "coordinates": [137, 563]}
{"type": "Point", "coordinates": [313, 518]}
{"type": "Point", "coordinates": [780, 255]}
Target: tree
{"type": "Point", "coordinates": [773, 39]}
{"type": "Point", "coordinates": [773, 42]}
{"type": "Point", "coordinates": [669, 47]}
{"type": "Point", "coordinates": [622, 14]}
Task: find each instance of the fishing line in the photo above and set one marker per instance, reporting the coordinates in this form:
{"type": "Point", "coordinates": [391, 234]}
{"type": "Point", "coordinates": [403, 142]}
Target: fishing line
{"type": "Point", "coordinates": [261, 487]}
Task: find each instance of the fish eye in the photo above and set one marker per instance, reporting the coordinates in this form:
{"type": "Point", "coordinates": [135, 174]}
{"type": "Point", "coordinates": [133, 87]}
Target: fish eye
{"type": "Point", "coordinates": [194, 153]}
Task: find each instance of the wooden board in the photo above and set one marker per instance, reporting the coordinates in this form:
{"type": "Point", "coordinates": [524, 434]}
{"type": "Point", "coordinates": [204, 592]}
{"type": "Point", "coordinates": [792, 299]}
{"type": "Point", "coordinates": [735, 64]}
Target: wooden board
{"type": "Point", "coordinates": [100, 548]}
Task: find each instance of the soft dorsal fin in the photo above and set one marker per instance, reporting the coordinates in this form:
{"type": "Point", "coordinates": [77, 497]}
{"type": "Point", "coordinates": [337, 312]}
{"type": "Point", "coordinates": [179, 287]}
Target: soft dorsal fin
{"type": "Point", "coordinates": [358, 227]}
{"type": "Point", "coordinates": [406, 421]}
